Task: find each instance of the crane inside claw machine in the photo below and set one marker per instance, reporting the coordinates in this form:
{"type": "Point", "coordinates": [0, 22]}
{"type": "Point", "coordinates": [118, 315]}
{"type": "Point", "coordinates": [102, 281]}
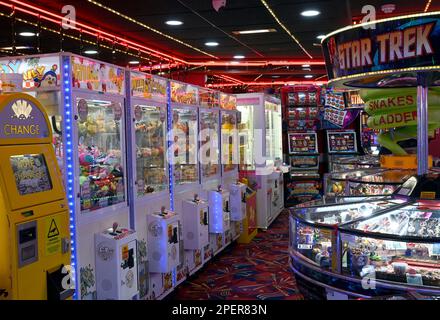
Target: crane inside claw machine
{"type": "Point", "coordinates": [85, 102]}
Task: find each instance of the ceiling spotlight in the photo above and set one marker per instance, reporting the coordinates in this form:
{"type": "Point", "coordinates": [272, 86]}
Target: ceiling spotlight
{"type": "Point", "coordinates": [211, 44]}
{"type": "Point", "coordinates": [238, 56]}
{"type": "Point", "coordinates": [308, 76]}
{"type": "Point", "coordinates": [306, 66]}
{"type": "Point", "coordinates": [133, 62]}
{"type": "Point", "coordinates": [310, 13]}
{"type": "Point", "coordinates": [17, 48]}
{"type": "Point", "coordinates": [90, 52]}
{"type": "Point", "coordinates": [174, 23]}
{"type": "Point", "coordinates": [27, 34]}
{"type": "Point", "coordinates": [321, 36]}
{"type": "Point", "coordinates": [254, 31]}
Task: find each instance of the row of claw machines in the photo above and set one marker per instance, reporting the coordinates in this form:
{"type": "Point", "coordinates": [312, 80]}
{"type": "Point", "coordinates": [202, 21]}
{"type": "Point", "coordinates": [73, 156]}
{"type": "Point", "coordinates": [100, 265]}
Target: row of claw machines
{"type": "Point", "coordinates": [150, 169]}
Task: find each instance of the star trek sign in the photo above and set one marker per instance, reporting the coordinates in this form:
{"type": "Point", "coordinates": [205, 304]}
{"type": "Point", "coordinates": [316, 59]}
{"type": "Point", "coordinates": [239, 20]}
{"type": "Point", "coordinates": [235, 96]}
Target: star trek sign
{"type": "Point", "coordinates": [413, 41]}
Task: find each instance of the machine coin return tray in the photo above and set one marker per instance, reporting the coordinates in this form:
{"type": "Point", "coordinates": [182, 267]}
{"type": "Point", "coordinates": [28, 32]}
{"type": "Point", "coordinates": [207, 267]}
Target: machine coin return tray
{"type": "Point", "coordinates": [55, 281]}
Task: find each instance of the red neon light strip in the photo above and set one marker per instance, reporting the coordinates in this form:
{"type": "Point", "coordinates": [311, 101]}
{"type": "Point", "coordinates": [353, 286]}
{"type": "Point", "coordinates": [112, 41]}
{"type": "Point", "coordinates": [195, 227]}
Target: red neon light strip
{"type": "Point", "coordinates": [318, 83]}
{"type": "Point", "coordinates": [224, 77]}
{"type": "Point", "coordinates": [101, 33]}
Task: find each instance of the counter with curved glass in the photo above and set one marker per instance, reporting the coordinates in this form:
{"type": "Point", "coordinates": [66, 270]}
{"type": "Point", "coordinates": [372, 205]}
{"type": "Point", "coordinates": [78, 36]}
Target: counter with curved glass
{"type": "Point", "coordinates": [355, 163]}
{"type": "Point", "coordinates": [367, 248]}
{"type": "Point", "coordinates": [336, 184]}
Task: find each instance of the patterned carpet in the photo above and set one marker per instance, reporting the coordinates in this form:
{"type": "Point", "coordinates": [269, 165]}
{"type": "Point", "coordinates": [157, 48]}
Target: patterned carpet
{"type": "Point", "coordinates": [255, 271]}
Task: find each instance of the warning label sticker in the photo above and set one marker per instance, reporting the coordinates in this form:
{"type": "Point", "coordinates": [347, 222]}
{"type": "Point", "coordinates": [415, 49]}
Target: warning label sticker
{"type": "Point", "coordinates": [53, 238]}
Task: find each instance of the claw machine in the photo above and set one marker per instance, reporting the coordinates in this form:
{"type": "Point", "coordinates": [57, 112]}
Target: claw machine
{"type": "Point", "coordinates": [85, 101]}
{"type": "Point", "coordinates": [149, 185]}
{"type": "Point", "coordinates": [183, 154]}
{"type": "Point", "coordinates": [260, 143]}
{"type": "Point", "coordinates": [210, 175]}
{"type": "Point", "coordinates": [229, 162]}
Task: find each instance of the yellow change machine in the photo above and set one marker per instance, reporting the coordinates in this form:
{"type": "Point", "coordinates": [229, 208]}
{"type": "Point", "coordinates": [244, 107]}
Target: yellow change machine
{"type": "Point", "coordinates": [34, 217]}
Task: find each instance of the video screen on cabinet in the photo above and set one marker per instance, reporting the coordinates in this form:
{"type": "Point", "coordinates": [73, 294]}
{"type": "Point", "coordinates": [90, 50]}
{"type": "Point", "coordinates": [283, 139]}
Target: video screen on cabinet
{"type": "Point", "coordinates": [100, 151]}
{"type": "Point", "coordinates": [31, 173]}
{"type": "Point", "coordinates": [150, 135]}
{"type": "Point", "coordinates": [341, 142]}
{"type": "Point", "coordinates": [303, 143]}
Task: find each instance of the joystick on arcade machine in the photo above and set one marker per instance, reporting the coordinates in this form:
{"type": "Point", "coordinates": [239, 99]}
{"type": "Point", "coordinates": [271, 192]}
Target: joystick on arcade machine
{"type": "Point", "coordinates": [34, 217]}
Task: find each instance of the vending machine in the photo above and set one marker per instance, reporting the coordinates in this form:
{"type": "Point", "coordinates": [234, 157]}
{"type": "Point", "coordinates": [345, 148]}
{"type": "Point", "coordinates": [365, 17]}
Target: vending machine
{"type": "Point", "coordinates": [260, 143]}
{"type": "Point", "coordinates": [116, 264]}
{"type": "Point", "coordinates": [147, 148]}
{"type": "Point", "coordinates": [341, 144]}
{"type": "Point", "coordinates": [35, 251]}
{"type": "Point", "coordinates": [85, 101]}
{"type": "Point", "coordinates": [304, 179]}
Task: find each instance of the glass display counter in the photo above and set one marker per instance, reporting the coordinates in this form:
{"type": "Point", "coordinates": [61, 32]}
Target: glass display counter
{"type": "Point", "coordinates": [337, 184]}
{"type": "Point", "coordinates": [364, 248]}
{"type": "Point", "coordinates": [343, 164]}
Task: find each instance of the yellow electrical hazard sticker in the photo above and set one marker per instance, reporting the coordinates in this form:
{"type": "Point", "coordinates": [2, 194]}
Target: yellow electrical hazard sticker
{"type": "Point", "coordinates": [52, 236]}
{"type": "Point", "coordinates": [125, 252]}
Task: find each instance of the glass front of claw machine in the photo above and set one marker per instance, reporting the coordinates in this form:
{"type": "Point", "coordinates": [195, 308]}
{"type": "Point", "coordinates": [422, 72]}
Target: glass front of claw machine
{"type": "Point", "coordinates": [185, 145]}
{"type": "Point", "coordinates": [100, 125]}
{"type": "Point", "coordinates": [150, 141]}
{"type": "Point", "coordinates": [246, 137]}
{"type": "Point", "coordinates": [209, 144]}
{"type": "Point", "coordinates": [273, 122]}
{"type": "Point", "coordinates": [228, 140]}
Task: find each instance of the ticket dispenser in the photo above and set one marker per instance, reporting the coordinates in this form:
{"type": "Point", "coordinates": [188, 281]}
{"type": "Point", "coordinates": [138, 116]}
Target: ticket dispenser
{"type": "Point", "coordinates": [195, 215]}
{"type": "Point", "coordinates": [237, 201]}
{"type": "Point", "coordinates": [163, 241]}
{"type": "Point", "coordinates": [116, 265]}
{"type": "Point", "coordinates": [34, 216]}
{"type": "Point", "coordinates": [219, 215]}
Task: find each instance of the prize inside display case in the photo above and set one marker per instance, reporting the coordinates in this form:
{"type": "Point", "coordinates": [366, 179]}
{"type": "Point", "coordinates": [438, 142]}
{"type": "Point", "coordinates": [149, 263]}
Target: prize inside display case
{"type": "Point", "coordinates": [209, 143]}
{"type": "Point", "coordinates": [337, 184]}
{"type": "Point", "coordinates": [384, 182]}
{"type": "Point", "coordinates": [150, 136]}
{"type": "Point", "coordinates": [246, 137]}
{"type": "Point", "coordinates": [229, 122]}
{"type": "Point", "coordinates": [273, 122]}
{"type": "Point", "coordinates": [101, 164]}
{"type": "Point", "coordinates": [185, 145]}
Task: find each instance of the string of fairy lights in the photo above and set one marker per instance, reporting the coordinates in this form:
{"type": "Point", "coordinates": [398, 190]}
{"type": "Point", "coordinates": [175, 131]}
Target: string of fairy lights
{"type": "Point", "coordinates": [102, 6]}
{"type": "Point", "coordinates": [266, 5]}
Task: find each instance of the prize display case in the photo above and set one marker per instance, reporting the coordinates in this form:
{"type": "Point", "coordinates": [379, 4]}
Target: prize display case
{"type": "Point", "coordinates": [372, 247]}
{"type": "Point", "coordinates": [209, 145]}
{"type": "Point", "coordinates": [343, 164]}
{"type": "Point", "coordinates": [85, 101]}
{"type": "Point", "coordinates": [337, 184]}
{"type": "Point", "coordinates": [384, 182]}
{"type": "Point", "coordinates": [260, 151]}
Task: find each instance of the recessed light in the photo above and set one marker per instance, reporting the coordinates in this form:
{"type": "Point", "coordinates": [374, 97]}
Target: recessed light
{"type": "Point", "coordinates": [27, 34]}
{"type": "Point", "coordinates": [275, 77]}
{"type": "Point", "coordinates": [174, 23]}
{"type": "Point", "coordinates": [254, 31]}
{"type": "Point", "coordinates": [321, 36]}
{"type": "Point", "coordinates": [239, 56]}
{"type": "Point", "coordinates": [211, 44]}
{"type": "Point", "coordinates": [90, 52]}
{"type": "Point", "coordinates": [306, 66]}
{"type": "Point", "coordinates": [308, 76]}
{"type": "Point", "coordinates": [310, 13]}
{"type": "Point", "coordinates": [133, 62]}
{"type": "Point", "coordinates": [307, 69]}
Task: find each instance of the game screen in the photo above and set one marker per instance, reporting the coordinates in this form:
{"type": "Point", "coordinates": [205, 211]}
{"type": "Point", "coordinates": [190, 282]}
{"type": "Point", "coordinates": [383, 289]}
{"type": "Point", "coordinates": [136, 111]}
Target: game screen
{"type": "Point", "coordinates": [341, 142]}
{"type": "Point", "coordinates": [303, 143]}
{"type": "Point", "coordinates": [31, 173]}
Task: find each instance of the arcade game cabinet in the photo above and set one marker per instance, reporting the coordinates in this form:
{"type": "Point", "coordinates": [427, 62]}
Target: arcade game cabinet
{"type": "Point", "coordinates": [34, 216]}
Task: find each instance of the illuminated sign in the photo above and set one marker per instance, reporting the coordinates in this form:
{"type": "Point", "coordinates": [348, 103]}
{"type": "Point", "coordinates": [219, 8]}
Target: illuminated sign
{"type": "Point", "coordinates": [147, 86]}
{"type": "Point", "coordinates": [20, 118]}
{"type": "Point", "coordinates": [412, 41]}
